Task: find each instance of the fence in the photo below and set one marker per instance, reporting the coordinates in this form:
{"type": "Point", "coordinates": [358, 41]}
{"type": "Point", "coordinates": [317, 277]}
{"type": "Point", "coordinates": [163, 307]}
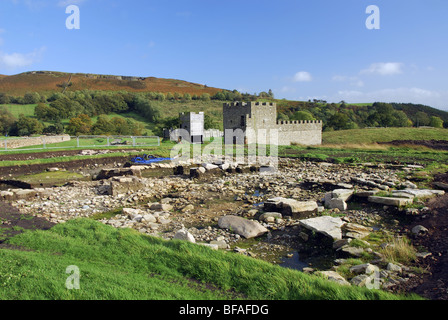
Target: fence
{"type": "Point", "coordinates": [67, 142]}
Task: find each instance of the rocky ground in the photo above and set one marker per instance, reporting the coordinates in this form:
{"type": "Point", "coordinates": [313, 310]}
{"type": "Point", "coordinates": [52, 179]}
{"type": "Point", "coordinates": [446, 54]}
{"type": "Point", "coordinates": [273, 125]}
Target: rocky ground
{"type": "Point", "coordinates": [213, 206]}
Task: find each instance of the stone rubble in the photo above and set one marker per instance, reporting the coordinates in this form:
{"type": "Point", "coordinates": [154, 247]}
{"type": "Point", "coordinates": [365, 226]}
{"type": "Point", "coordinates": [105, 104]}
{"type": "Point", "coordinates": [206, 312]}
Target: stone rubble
{"type": "Point", "coordinates": [239, 202]}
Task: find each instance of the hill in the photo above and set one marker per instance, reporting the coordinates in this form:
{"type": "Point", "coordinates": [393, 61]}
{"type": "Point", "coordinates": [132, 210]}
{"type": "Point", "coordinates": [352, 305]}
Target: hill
{"type": "Point", "coordinates": [45, 82]}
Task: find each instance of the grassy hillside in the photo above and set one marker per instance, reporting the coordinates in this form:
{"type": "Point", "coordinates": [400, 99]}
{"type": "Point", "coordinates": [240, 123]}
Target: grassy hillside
{"type": "Point", "coordinates": [123, 264]}
{"type": "Point", "coordinates": [49, 82]}
{"type": "Point", "coordinates": [377, 135]}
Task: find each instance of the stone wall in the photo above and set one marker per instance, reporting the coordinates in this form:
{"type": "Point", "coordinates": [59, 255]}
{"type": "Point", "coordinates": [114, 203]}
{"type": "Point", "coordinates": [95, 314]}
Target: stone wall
{"type": "Point", "coordinates": [13, 143]}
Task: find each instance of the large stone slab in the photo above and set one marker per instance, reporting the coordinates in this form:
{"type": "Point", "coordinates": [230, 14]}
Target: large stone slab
{"type": "Point", "coordinates": [390, 201]}
{"type": "Point", "coordinates": [117, 172]}
{"type": "Point", "coordinates": [326, 225]}
{"type": "Point", "coordinates": [243, 227]}
{"type": "Point", "coordinates": [291, 207]}
{"type": "Point", "coordinates": [421, 193]}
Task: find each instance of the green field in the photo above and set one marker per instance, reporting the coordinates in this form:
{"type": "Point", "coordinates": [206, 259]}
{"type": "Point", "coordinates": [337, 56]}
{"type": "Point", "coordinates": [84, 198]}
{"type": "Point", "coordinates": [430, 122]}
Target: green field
{"type": "Point", "coordinates": [376, 135]}
{"type": "Point", "coordinates": [122, 264]}
{"type": "Point", "coordinates": [17, 109]}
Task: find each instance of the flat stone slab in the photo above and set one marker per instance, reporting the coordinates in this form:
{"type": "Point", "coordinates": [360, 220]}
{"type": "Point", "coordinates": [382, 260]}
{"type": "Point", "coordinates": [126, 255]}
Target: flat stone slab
{"type": "Point", "coordinates": [422, 193]}
{"type": "Point", "coordinates": [390, 201]}
{"type": "Point", "coordinates": [243, 227]}
{"type": "Point", "coordinates": [334, 277]}
{"type": "Point", "coordinates": [291, 207]}
{"type": "Point", "coordinates": [326, 225]}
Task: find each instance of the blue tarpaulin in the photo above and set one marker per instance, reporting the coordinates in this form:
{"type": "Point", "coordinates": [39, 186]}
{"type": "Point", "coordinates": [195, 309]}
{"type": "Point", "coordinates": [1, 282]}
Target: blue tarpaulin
{"type": "Point", "coordinates": [148, 159]}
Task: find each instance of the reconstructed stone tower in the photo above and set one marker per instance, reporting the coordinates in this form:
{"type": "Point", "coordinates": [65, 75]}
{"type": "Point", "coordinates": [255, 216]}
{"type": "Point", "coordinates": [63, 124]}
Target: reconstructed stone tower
{"type": "Point", "coordinates": [259, 123]}
{"type": "Point", "coordinates": [194, 124]}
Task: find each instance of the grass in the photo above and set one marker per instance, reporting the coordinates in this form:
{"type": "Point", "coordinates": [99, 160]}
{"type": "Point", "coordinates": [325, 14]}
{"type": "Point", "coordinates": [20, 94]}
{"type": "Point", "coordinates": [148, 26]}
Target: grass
{"type": "Point", "coordinates": [17, 109]}
{"type": "Point", "coordinates": [122, 264]}
{"type": "Point", "coordinates": [363, 137]}
{"type": "Point", "coordinates": [56, 178]}
{"type": "Point", "coordinates": [400, 250]}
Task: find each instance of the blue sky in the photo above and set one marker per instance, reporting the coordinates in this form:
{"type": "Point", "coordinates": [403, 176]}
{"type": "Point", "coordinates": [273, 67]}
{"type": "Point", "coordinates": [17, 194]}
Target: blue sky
{"type": "Point", "coordinates": [319, 49]}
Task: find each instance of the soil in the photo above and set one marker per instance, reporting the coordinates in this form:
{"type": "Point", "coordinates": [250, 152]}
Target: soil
{"type": "Point", "coordinates": [433, 284]}
{"type": "Point", "coordinates": [87, 165]}
{"type": "Point", "coordinates": [433, 144]}
{"type": "Point", "coordinates": [12, 223]}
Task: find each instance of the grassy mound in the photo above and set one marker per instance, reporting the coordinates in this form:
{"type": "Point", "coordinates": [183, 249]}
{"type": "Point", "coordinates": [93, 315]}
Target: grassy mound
{"type": "Point", "coordinates": [123, 264]}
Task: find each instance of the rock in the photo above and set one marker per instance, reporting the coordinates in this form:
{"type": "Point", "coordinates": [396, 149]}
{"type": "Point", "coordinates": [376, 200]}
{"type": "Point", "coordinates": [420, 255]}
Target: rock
{"type": "Point", "coordinates": [334, 276]}
{"type": "Point", "coordinates": [220, 243]}
{"type": "Point", "coordinates": [352, 251]}
{"type": "Point", "coordinates": [187, 208]}
{"type": "Point", "coordinates": [116, 172]}
{"type": "Point", "coordinates": [266, 215]}
{"type": "Point", "coordinates": [149, 218]}
{"type": "Point", "coordinates": [393, 267]}
{"type": "Point", "coordinates": [423, 193]}
{"type": "Point", "coordinates": [241, 226]}
{"type": "Point", "coordinates": [184, 235]}
{"type": "Point", "coordinates": [366, 268]}
{"type": "Point", "coordinates": [336, 203]}
{"type": "Point", "coordinates": [340, 243]}
{"type": "Point", "coordinates": [52, 169]}
{"type": "Point", "coordinates": [360, 280]}
{"type": "Point", "coordinates": [407, 185]}
{"type": "Point", "coordinates": [419, 230]}
{"type": "Point", "coordinates": [291, 207]}
{"type": "Point", "coordinates": [355, 231]}
{"type": "Point", "coordinates": [160, 207]}
{"type": "Point", "coordinates": [209, 245]}
{"type": "Point", "coordinates": [209, 166]}
{"type": "Point", "coordinates": [123, 185]}
{"type": "Point", "coordinates": [344, 194]}
{"type": "Point", "coordinates": [390, 201]}
{"type": "Point", "coordinates": [326, 225]}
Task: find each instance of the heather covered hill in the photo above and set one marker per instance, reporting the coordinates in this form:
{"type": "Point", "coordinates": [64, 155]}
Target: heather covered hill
{"type": "Point", "coordinates": [45, 82]}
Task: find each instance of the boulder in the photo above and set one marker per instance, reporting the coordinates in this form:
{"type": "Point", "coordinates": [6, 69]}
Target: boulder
{"type": "Point", "coordinates": [184, 235]}
{"type": "Point", "coordinates": [355, 231]}
{"type": "Point", "coordinates": [366, 268]}
{"type": "Point", "coordinates": [243, 227]}
{"type": "Point", "coordinates": [326, 225]}
{"type": "Point", "coordinates": [334, 276]}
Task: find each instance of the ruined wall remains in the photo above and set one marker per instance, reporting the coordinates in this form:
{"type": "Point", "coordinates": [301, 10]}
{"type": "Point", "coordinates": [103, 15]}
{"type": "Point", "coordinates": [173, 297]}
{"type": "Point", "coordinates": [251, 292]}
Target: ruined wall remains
{"type": "Point", "coordinates": [259, 123]}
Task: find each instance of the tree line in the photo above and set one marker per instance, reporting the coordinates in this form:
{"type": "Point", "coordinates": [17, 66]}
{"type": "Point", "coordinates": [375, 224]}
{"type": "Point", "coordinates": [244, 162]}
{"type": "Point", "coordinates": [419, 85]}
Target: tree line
{"type": "Point", "coordinates": [343, 116]}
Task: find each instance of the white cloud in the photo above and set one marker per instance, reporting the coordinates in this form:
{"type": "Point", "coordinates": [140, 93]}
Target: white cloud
{"type": "Point", "coordinates": [302, 76]}
{"type": "Point", "coordinates": [20, 60]}
{"type": "Point", "coordinates": [384, 68]}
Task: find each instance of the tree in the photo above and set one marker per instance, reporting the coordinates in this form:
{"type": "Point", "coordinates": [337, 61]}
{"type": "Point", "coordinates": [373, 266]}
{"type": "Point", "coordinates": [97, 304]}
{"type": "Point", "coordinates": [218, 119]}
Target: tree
{"type": "Point", "coordinates": [26, 126]}
{"type": "Point", "coordinates": [80, 125]}
{"type": "Point", "coordinates": [436, 122]}
{"type": "Point", "coordinates": [4, 99]}
{"type": "Point", "coordinates": [205, 97]}
{"type": "Point", "coordinates": [302, 115]}
{"type": "Point", "coordinates": [31, 98]}
{"type": "Point", "coordinates": [421, 119]}
{"type": "Point", "coordinates": [7, 121]}
{"type": "Point", "coordinates": [103, 126]}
